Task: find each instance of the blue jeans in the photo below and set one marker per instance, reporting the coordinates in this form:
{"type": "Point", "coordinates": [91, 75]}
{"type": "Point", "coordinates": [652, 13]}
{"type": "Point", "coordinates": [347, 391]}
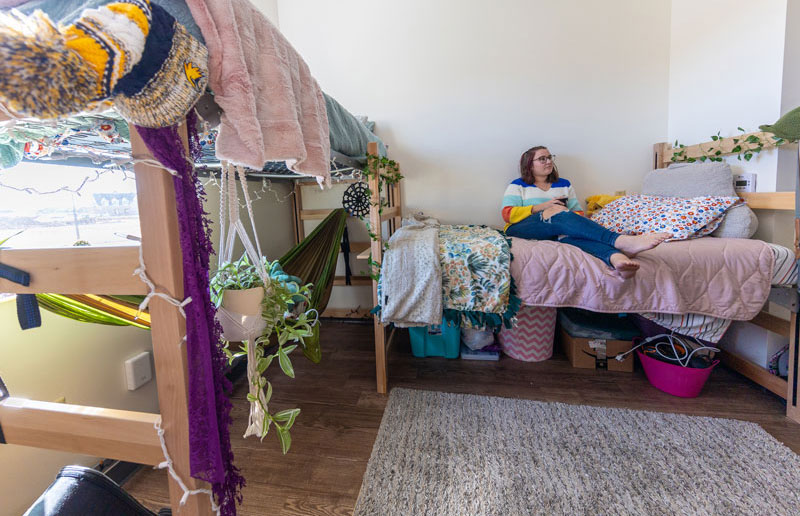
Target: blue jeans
{"type": "Point", "coordinates": [579, 231]}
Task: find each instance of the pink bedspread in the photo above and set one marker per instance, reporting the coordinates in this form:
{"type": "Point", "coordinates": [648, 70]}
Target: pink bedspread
{"type": "Point", "coordinates": [722, 277]}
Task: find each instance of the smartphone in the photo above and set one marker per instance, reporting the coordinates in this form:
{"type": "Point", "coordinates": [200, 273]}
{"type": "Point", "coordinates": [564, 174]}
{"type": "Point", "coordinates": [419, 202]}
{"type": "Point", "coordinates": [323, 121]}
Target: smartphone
{"type": "Point", "coordinates": [562, 200]}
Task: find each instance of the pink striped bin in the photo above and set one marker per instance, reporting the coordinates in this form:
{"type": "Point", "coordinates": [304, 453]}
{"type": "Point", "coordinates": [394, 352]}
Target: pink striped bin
{"type": "Point", "coordinates": [531, 337]}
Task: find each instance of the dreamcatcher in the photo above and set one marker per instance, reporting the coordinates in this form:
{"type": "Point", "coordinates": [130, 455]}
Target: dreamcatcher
{"type": "Point", "coordinates": [356, 199]}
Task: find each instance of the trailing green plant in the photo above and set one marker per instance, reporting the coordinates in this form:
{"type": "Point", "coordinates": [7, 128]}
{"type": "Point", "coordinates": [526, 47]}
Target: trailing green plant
{"type": "Point", "coordinates": [283, 308]}
{"type": "Point", "coordinates": [388, 173]}
{"type": "Point", "coordinates": [746, 146]}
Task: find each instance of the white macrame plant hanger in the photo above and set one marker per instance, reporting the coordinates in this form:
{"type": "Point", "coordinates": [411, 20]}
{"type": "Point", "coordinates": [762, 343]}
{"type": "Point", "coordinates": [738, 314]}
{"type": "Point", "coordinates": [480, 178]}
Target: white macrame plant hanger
{"type": "Point", "coordinates": [243, 327]}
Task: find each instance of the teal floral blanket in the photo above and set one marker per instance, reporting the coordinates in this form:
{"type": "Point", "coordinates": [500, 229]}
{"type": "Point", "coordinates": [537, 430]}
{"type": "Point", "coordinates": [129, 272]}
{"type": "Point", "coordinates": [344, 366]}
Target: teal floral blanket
{"type": "Point", "coordinates": [477, 288]}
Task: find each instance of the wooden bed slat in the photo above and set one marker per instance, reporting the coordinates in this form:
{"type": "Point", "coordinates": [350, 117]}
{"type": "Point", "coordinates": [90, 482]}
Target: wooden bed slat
{"type": "Point", "coordinates": [758, 374]}
{"type": "Point", "coordinates": [772, 323]}
{"type": "Point", "coordinates": [390, 213]}
{"type": "Point", "coordinates": [75, 270]}
{"type": "Point", "coordinates": [101, 432]}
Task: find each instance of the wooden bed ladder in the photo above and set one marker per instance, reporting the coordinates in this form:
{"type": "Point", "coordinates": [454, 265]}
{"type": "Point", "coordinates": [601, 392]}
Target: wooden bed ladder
{"type": "Point", "coordinates": [119, 434]}
{"type": "Point", "coordinates": [393, 215]}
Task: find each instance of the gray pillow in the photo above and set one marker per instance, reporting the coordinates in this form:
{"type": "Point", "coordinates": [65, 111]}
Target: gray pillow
{"type": "Point", "coordinates": [696, 179]}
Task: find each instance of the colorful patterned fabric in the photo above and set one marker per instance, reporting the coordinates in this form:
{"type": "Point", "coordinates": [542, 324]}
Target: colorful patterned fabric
{"type": "Point", "coordinates": [477, 289]}
{"type": "Point", "coordinates": [684, 218]}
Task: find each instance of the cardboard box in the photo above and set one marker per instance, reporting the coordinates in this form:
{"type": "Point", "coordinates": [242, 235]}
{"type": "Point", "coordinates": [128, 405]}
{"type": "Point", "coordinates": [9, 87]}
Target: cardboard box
{"type": "Point", "coordinates": [592, 340]}
{"type": "Point", "coordinates": [588, 353]}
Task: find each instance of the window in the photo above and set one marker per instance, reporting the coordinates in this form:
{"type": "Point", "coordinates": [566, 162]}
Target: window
{"type": "Point", "coordinates": [96, 206]}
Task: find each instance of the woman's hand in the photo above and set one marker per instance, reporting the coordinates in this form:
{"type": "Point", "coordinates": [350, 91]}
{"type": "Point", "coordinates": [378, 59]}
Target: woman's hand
{"type": "Point", "coordinates": [553, 210]}
{"type": "Point", "coordinates": [552, 203]}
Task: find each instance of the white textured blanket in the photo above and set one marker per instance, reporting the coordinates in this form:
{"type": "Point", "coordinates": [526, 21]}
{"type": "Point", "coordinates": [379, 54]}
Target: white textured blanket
{"type": "Point", "coordinates": [411, 276]}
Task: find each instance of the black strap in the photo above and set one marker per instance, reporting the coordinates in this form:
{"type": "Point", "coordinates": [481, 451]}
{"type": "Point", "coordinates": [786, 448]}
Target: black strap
{"type": "Point", "coordinates": [346, 251]}
{"type": "Point", "coordinates": [3, 395]}
{"type": "Point", "coordinates": [15, 275]}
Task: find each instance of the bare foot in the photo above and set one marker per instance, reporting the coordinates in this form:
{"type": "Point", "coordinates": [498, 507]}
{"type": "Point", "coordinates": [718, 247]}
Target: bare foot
{"type": "Point", "coordinates": [625, 266]}
{"type": "Point", "coordinates": [633, 245]}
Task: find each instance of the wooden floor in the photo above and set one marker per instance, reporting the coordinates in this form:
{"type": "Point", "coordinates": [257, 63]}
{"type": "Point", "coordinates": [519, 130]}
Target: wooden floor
{"type": "Point", "coordinates": [333, 436]}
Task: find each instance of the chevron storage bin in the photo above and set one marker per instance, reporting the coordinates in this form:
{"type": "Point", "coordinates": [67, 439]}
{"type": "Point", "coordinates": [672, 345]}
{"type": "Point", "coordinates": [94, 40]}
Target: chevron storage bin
{"type": "Point", "coordinates": [531, 337]}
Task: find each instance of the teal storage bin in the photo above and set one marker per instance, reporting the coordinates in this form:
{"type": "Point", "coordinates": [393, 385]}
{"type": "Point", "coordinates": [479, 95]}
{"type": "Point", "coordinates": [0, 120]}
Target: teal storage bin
{"type": "Point", "coordinates": [440, 340]}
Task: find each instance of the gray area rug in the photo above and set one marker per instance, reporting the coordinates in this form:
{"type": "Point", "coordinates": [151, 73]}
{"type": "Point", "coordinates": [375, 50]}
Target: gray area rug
{"type": "Point", "coordinates": [442, 454]}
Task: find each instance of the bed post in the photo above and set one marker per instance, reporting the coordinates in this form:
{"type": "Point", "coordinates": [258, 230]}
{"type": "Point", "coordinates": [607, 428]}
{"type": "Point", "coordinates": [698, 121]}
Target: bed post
{"type": "Point", "coordinates": [660, 150]}
{"type": "Point", "coordinates": [792, 407]}
{"type": "Point", "coordinates": [376, 247]}
{"type": "Point", "coordinates": [158, 219]}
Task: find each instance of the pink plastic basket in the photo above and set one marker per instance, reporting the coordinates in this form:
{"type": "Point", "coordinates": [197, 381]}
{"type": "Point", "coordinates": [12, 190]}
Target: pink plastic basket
{"type": "Point", "coordinates": [686, 382]}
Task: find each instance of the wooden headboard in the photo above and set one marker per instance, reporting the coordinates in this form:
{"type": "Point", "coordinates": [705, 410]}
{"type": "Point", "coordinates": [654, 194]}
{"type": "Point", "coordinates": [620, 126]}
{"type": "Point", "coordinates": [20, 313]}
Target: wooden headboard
{"type": "Point", "coordinates": [665, 154]}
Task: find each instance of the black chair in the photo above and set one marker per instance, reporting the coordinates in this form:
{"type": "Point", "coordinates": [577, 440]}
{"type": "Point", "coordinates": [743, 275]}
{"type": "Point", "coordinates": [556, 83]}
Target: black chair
{"type": "Point", "coordinates": [80, 491]}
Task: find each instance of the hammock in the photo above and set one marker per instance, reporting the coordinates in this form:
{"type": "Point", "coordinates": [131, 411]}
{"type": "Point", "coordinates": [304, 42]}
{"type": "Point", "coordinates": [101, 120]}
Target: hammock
{"type": "Point", "coordinates": [313, 260]}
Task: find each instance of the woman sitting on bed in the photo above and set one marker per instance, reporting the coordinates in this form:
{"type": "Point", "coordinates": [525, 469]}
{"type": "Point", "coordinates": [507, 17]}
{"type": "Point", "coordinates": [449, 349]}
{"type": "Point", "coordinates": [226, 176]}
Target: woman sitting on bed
{"type": "Point", "coordinates": [541, 206]}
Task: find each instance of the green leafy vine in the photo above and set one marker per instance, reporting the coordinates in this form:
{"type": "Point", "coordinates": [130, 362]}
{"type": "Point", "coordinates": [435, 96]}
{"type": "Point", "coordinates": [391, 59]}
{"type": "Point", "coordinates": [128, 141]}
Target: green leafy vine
{"type": "Point", "coordinates": [388, 173]}
{"type": "Point", "coordinates": [746, 146]}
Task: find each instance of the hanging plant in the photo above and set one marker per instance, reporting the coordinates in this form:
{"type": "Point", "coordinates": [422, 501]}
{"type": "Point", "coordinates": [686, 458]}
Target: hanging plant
{"type": "Point", "coordinates": [251, 307]}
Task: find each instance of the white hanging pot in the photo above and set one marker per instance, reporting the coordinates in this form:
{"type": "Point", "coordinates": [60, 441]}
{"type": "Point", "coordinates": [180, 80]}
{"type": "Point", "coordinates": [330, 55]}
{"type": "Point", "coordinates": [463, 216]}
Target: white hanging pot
{"type": "Point", "coordinates": [240, 314]}
{"type": "Point", "coordinates": [245, 302]}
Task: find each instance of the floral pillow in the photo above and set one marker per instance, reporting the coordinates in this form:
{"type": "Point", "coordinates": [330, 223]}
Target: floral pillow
{"type": "Point", "coordinates": [683, 217]}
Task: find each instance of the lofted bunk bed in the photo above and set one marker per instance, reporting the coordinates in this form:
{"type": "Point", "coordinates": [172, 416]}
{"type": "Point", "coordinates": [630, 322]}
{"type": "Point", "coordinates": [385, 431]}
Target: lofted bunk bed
{"type": "Point", "coordinates": [169, 267]}
{"type": "Point", "coordinates": [590, 286]}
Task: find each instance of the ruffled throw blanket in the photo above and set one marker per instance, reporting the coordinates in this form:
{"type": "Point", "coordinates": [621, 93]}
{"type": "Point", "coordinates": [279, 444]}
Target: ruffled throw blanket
{"type": "Point", "coordinates": [411, 278]}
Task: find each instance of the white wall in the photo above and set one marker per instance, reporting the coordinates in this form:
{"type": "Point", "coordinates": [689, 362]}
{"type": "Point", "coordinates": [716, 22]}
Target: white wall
{"type": "Point", "coordinates": [269, 8]}
{"type": "Point", "coordinates": [81, 362]}
{"type": "Point", "coordinates": [726, 67]}
{"type": "Point", "coordinates": [460, 89]}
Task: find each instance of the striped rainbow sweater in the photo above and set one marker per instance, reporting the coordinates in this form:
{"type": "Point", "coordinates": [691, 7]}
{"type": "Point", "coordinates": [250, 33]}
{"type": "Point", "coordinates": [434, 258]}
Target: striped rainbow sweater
{"type": "Point", "coordinates": [520, 196]}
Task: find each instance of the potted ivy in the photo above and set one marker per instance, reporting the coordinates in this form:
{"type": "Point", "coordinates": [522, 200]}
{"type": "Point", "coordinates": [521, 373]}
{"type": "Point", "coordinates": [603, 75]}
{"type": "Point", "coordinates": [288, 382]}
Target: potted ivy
{"type": "Point", "coordinates": [254, 301]}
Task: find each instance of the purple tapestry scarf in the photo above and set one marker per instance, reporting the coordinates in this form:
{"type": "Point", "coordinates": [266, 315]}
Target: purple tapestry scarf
{"type": "Point", "coordinates": [211, 457]}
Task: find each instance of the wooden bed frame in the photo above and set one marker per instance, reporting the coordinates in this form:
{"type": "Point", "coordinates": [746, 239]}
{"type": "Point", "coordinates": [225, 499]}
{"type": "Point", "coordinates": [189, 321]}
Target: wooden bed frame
{"type": "Point", "coordinates": [108, 433]}
{"type": "Point", "coordinates": [784, 296]}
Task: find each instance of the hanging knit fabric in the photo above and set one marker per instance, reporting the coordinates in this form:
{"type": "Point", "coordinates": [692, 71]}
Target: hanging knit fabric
{"type": "Point", "coordinates": [211, 457]}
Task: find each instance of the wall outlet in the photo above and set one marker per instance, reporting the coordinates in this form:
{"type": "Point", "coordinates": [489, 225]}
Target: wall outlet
{"type": "Point", "coordinates": [138, 370]}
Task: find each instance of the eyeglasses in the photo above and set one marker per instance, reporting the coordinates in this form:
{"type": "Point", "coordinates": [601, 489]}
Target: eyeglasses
{"type": "Point", "coordinates": [545, 159]}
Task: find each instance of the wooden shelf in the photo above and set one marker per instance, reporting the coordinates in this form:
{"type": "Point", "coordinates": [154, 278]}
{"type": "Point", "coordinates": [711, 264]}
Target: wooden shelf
{"type": "Point", "coordinates": [755, 372]}
{"type": "Point", "coordinates": [317, 214]}
{"type": "Point", "coordinates": [769, 200]}
{"type": "Point", "coordinates": [354, 280]}
{"type": "Point", "coordinates": [347, 313]}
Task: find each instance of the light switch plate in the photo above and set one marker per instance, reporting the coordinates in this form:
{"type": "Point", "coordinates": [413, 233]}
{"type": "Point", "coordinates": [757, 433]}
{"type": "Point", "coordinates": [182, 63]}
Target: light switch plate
{"type": "Point", "coordinates": [138, 370]}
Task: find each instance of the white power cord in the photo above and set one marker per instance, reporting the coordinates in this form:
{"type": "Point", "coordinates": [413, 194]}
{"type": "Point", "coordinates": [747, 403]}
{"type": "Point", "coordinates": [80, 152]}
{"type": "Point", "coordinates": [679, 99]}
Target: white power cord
{"type": "Point", "coordinates": [682, 358]}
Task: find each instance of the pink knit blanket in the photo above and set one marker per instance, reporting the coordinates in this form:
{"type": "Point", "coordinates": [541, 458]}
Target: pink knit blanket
{"type": "Point", "coordinates": [721, 277]}
{"type": "Point", "coordinates": [273, 109]}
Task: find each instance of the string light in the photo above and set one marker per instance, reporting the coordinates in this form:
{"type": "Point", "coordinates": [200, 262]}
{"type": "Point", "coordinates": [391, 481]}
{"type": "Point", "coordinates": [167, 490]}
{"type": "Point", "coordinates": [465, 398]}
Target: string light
{"type": "Point", "coordinates": [77, 191]}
